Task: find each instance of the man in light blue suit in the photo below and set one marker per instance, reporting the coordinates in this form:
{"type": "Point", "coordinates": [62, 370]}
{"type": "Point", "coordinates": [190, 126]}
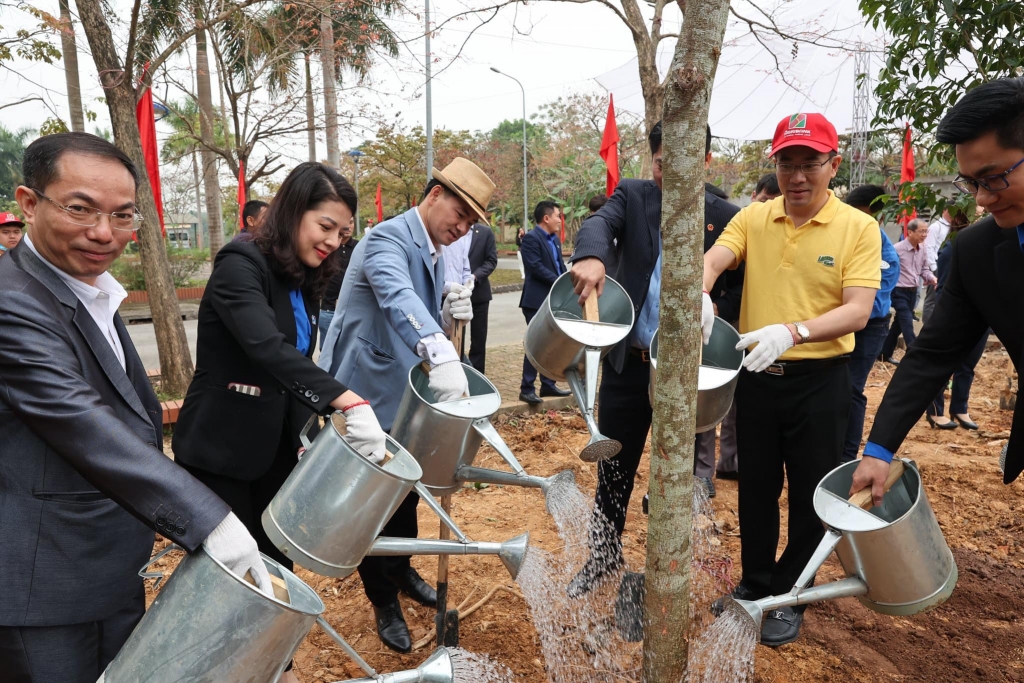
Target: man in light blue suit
{"type": "Point", "coordinates": [389, 317]}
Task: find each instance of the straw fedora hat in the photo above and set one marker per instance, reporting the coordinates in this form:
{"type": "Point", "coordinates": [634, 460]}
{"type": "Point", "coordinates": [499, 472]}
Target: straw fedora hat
{"type": "Point", "coordinates": [465, 179]}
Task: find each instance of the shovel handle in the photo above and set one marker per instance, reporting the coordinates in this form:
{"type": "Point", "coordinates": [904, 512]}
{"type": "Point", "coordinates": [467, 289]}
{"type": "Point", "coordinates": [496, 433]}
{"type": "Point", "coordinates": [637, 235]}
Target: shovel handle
{"type": "Point", "coordinates": [590, 310]}
{"type": "Point", "coordinates": [458, 329]}
{"type": "Point", "coordinates": [862, 498]}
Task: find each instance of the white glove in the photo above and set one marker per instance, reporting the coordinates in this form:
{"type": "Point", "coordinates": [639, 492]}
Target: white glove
{"type": "Point", "coordinates": [772, 341]}
{"type": "Point", "coordinates": [364, 433]}
{"type": "Point", "coordinates": [233, 546]}
{"type": "Point", "coordinates": [448, 381]}
{"type": "Point", "coordinates": [707, 316]}
{"type": "Point", "coordinates": [457, 305]}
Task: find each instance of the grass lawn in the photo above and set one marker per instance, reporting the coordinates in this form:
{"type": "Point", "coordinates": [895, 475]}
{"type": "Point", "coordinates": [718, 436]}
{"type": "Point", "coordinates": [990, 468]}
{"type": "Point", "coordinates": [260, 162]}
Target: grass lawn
{"type": "Point", "coordinates": [505, 276]}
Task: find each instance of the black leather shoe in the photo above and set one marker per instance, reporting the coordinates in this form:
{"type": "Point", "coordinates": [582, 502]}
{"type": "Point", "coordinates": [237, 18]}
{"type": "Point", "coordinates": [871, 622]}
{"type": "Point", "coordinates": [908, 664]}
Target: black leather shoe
{"type": "Point", "coordinates": [413, 585]}
{"type": "Point", "coordinates": [781, 626]}
{"type": "Point", "coordinates": [391, 627]}
{"type": "Point", "coordinates": [741, 592]}
{"type": "Point", "coordinates": [588, 578]}
{"type": "Point", "coordinates": [731, 475]}
{"type": "Point", "coordinates": [544, 391]}
{"type": "Point", "coordinates": [941, 425]}
{"type": "Point", "coordinates": [966, 423]}
{"type": "Point", "coordinates": [708, 485]}
{"type": "Point", "coordinates": [530, 397]}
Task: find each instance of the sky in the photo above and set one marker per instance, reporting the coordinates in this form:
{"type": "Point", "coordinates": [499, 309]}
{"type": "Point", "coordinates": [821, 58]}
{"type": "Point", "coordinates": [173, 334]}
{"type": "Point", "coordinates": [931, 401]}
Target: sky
{"type": "Point", "coordinates": [553, 48]}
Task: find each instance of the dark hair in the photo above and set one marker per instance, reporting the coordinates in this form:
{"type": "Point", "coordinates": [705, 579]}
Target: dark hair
{"type": "Point", "coordinates": [769, 183]}
{"type": "Point", "coordinates": [871, 196]}
{"type": "Point", "coordinates": [996, 105]}
{"type": "Point", "coordinates": [543, 209]}
{"type": "Point", "coordinates": [596, 202]}
{"type": "Point", "coordinates": [307, 186]}
{"type": "Point", "coordinates": [434, 182]}
{"type": "Point", "coordinates": [39, 165]}
{"type": "Point", "coordinates": [654, 139]}
{"type": "Point", "coordinates": [252, 209]}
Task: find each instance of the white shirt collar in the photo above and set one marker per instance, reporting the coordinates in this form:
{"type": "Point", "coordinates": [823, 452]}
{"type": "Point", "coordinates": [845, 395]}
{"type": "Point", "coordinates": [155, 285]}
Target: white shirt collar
{"type": "Point", "coordinates": [105, 283]}
{"type": "Point", "coordinates": [430, 242]}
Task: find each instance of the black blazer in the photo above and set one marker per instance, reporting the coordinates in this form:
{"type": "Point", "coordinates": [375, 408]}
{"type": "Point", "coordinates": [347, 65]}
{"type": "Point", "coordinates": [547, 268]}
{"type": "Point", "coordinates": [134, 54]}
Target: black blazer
{"type": "Point", "coordinates": [483, 259]}
{"type": "Point", "coordinates": [84, 481]}
{"type": "Point", "coordinates": [541, 266]}
{"type": "Point", "coordinates": [247, 336]}
{"type": "Point", "coordinates": [632, 216]}
{"type": "Point", "coordinates": [985, 288]}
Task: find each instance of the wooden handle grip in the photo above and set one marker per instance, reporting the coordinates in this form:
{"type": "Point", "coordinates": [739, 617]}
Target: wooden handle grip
{"type": "Point", "coordinates": [458, 328]}
{"type": "Point", "coordinates": [590, 310]}
{"type": "Point", "coordinates": [862, 498]}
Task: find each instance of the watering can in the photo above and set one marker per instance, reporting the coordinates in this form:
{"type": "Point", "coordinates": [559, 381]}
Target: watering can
{"type": "Point", "coordinates": [328, 513]}
{"type": "Point", "coordinates": [895, 557]}
{"type": "Point", "coordinates": [444, 437]}
{"type": "Point", "coordinates": [716, 378]}
{"type": "Point", "coordinates": [436, 669]}
{"type": "Point", "coordinates": [209, 626]}
{"type": "Point", "coordinates": [566, 343]}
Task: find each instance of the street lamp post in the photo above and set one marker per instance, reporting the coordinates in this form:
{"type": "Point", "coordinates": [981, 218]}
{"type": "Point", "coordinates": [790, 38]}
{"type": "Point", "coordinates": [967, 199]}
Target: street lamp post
{"type": "Point", "coordinates": [526, 194]}
{"type": "Point", "coordinates": [356, 156]}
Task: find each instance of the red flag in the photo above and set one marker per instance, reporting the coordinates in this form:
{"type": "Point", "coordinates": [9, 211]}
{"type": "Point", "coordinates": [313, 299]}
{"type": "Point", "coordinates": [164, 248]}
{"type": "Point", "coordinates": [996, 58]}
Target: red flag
{"type": "Point", "coordinates": [610, 149]}
{"type": "Point", "coordinates": [561, 235]}
{"type": "Point", "coordinates": [378, 201]}
{"type": "Point", "coordinates": [241, 194]}
{"type": "Point", "coordinates": [147, 136]}
{"type": "Point", "coordinates": [908, 173]}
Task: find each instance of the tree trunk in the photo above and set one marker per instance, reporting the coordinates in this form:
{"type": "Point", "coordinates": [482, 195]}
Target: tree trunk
{"type": "Point", "coordinates": [70, 49]}
{"type": "Point", "coordinates": [172, 345]}
{"type": "Point", "coordinates": [330, 92]}
{"type": "Point", "coordinates": [310, 110]}
{"type": "Point", "coordinates": [666, 603]}
{"type": "Point", "coordinates": [211, 183]}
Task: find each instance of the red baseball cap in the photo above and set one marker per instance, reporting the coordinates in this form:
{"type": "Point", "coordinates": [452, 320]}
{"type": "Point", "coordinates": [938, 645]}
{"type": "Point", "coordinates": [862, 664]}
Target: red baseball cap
{"type": "Point", "coordinates": [805, 130]}
{"type": "Point", "coordinates": [8, 218]}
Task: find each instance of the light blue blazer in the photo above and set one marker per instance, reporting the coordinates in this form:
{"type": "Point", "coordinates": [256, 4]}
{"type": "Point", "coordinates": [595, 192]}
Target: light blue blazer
{"type": "Point", "coordinates": [389, 300]}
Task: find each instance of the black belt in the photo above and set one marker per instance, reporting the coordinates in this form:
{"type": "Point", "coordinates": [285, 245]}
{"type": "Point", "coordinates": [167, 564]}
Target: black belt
{"type": "Point", "coordinates": [802, 367]}
{"type": "Point", "coordinates": [642, 354]}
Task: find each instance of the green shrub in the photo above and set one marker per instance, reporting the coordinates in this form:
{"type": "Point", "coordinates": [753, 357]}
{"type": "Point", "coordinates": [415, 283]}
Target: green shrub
{"type": "Point", "coordinates": [185, 265]}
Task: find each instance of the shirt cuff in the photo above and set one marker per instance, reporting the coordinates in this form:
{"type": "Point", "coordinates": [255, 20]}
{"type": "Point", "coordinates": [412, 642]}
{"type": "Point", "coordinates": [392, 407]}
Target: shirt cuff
{"type": "Point", "coordinates": [873, 450]}
{"type": "Point", "coordinates": [436, 349]}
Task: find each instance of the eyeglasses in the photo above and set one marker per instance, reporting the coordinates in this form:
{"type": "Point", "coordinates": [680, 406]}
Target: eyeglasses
{"type": "Point", "coordinates": [806, 169]}
{"type": "Point", "coordinates": [88, 217]}
{"type": "Point", "coordinates": [992, 183]}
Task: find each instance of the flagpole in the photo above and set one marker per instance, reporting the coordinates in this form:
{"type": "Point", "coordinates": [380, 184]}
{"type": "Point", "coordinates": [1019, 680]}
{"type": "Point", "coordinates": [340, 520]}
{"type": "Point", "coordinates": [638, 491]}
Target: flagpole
{"type": "Point", "coordinates": [430, 123]}
{"type": "Point", "coordinates": [526, 193]}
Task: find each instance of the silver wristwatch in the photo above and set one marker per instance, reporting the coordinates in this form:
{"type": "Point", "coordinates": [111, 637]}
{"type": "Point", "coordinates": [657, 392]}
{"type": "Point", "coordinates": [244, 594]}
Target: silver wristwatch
{"type": "Point", "coordinates": [802, 332]}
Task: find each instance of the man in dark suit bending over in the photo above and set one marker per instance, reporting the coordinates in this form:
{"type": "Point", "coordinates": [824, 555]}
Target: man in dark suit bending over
{"type": "Point", "coordinates": [985, 287]}
{"type": "Point", "coordinates": [632, 216]}
{"type": "Point", "coordinates": [84, 481]}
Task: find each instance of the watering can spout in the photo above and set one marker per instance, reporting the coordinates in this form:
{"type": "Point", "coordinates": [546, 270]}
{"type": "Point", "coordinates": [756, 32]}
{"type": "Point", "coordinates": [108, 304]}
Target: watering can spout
{"type": "Point", "coordinates": [510, 552]}
{"type": "Point", "coordinates": [600, 447]}
{"type": "Point", "coordinates": [513, 552]}
{"type": "Point", "coordinates": [437, 668]}
{"type": "Point", "coordinates": [846, 588]}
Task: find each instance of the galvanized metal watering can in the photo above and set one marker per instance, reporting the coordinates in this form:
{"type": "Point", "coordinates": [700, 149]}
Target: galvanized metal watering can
{"type": "Point", "coordinates": [896, 559]}
{"type": "Point", "coordinates": [444, 437]}
{"type": "Point", "coordinates": [208, 625]}
{"type": "Point", "coordinates": [717, 377]}
{"type": "Point", "coordinates": [565, 344]}
{"type": "Point", "coordinates": [436, 669]}
{"type": "Point", "coordinates": [328, 513]}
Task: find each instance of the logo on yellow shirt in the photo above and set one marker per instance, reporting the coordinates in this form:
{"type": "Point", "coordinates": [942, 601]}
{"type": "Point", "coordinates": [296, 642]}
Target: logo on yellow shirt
{"type": "Point", "coordinates": [827, 261]}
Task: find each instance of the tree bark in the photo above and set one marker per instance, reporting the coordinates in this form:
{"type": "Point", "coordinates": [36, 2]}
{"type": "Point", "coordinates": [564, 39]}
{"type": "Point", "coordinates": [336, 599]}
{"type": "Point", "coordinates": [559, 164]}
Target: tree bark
{"type": "Point", "coordinates": [666, 602]}
{"type": "Point", "coordinates": [330, 92]}
{"type": "Point", "coordinates": [310, 110]}
{"type": "Point", "coordinates": [211, 183]}
{"type": "Point", "coordinates": [70, 50]}
{"type": "Point", "coordinates": [172, 345]}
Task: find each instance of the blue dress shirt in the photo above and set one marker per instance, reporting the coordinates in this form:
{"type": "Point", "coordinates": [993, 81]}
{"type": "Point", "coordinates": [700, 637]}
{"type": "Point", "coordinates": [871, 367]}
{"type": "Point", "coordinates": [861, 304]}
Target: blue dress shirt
{"type": "Point", "coordinates": [303, 328]}
{"type": "Point", "coordinates": [647, 321]}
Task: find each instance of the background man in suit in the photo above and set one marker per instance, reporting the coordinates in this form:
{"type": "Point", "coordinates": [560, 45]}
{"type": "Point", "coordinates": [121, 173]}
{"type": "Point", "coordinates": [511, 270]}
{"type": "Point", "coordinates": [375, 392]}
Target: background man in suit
{"type": "Point", "coordinates": [483, 259]}
{"type": "Point", "coordinates": [542, 262]}
{"type": "Point", "coordinates": [390, 317]}
{"type": "Point", "coordinates": [985, 284]}
{"type": "Point", "coordinates": [632, 218]}
{"type": "Point", "coordinates": [85, 479]}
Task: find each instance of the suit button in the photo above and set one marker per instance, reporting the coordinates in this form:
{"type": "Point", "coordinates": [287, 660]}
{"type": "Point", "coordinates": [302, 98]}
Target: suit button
{"type": "Point", "coordinates": [302, 387]}
{"type": "Point", "coordinates": [308, 393]}
{"type": "Point", "coordinates": [295, 385]}
{"type": "Point", "coordinates": [281, 390]}
{"type": "Point", "coordinates": [315, 399]}
{"type": "Point", "coordinates": [180, 531]}
{"type": "Point", "coordinates": [161, 522]}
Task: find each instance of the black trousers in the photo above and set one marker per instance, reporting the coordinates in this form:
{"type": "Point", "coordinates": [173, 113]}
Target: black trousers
{"type": "Point", "coordinates": [375, 571]}
{"type": "Point", "coordinates": [67, 654]}
{"type": "Point", "coordinates": [791, 426]}
{"type": "Point", "coordinates": [478, 335]}
{"type": "Point", "coordinates": [530, 372]}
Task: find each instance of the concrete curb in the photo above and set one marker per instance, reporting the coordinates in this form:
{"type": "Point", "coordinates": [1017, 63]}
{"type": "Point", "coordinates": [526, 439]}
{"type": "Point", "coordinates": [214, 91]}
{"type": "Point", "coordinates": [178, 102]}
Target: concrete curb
{"type": "Point", "coordinates": [550, 403]}
{"type": "Point", "coordinates": [501, 289]}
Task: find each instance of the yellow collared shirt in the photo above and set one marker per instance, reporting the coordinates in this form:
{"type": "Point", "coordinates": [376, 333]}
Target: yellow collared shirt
{"type": "Point", "coordinates": [797, 274]}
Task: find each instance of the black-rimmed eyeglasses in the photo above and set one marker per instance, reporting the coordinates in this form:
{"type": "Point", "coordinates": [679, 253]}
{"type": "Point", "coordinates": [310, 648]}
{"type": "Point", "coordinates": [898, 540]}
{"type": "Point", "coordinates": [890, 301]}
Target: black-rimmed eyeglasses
{"type": "Point", "coordinates": [992, 183]}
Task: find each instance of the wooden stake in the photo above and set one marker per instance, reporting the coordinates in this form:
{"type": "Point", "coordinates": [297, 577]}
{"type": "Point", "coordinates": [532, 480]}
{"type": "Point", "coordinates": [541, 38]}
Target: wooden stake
{"type": "Point", "coordinates": [591, 313]}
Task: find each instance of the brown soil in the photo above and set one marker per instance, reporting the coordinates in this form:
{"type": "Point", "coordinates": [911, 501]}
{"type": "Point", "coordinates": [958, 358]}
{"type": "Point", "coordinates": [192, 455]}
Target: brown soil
{"type": "Point", "coordinates": [978, 635]}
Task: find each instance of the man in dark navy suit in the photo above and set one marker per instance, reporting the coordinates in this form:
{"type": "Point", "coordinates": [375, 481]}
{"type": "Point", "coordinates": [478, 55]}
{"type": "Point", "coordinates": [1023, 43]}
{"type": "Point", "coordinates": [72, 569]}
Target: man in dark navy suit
{"type": "Point", "coordinates": [542, 260]}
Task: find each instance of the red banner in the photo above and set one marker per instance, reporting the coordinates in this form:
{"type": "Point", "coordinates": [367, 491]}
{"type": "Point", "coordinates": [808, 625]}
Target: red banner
{"type": "Point", "coordinates": [241, 195]}
{"type": "Point", "coordinates": [610, 148]}
{"type": "Point", "coordinates": [147, 136]}
{"type": "Point", "coordinates": [908, 172]}
{"type": "Point", "coordinates": [378, 201]}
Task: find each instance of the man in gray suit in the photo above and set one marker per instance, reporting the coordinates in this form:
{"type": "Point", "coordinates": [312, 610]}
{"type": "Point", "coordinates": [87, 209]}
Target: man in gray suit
{"type": "Point", "coordinates": [390, 317]}
{"type": "Point", "coordinates": [83, 478]}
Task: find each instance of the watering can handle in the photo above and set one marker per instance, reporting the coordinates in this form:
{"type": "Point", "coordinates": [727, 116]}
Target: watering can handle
{"type": "Point", "coordinates": [305, 430]}
{"type": "Point", "coordinates": [159, 576]}
{"type": "Point", "coordinates": [458, 329]}
{"type": "Point", "coordinates": [862, 498]}
{"type": "Point", "coordinates": [591, 312]}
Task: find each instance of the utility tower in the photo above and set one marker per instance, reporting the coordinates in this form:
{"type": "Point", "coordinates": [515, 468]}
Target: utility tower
{"type": "Point", "coordinates": [861, 115]}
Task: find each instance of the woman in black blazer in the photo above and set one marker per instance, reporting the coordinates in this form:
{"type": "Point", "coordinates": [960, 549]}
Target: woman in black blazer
{"type": "Point", "coordinates": [255, 384]}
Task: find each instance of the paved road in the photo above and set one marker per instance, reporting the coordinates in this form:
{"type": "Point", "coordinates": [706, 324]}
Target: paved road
{"type": "Point", "coordinates": [505, 326]}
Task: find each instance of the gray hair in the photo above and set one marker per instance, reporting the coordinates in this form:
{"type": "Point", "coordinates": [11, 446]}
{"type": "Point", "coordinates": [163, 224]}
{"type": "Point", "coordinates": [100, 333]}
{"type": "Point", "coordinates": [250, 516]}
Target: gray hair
{"type": "Point", "coordinates": [916, 223]}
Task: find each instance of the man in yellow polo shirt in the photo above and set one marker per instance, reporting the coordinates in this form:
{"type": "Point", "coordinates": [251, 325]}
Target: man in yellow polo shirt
{"type": "Point", "coordinates": [812, 269]}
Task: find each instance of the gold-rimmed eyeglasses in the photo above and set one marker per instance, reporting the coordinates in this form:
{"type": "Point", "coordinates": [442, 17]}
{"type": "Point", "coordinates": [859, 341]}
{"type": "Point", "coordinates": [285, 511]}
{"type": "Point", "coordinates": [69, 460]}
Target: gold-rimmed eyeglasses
{"type": "Point", "coordinates": [89, 217]}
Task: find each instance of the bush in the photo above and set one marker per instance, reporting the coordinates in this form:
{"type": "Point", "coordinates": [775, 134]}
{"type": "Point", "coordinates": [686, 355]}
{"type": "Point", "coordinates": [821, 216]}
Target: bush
{"type": "Point", "coordinates": [185, 265]}
{"type": "Point", "coordinates": [128, 271]}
